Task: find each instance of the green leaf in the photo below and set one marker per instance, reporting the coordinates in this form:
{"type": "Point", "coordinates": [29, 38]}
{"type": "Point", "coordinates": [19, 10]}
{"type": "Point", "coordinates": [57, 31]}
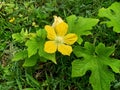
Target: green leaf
{"type": "Point", "coordinates": [101, 50]}
{"type": "Point", "coordinates": [89, 49]}
{"type": "Point", "coordinates": [97, 60]}
{"type": "Point", "coordinates": [112, 13]}
{"type": "Point", "coordinates": [41, 33]}
{"type": "Point", "coordinates": [20, 55]}
{"type": "Point", "coordinates": [30, 61]}
{"type": "Point", "coordinates": [33, 46]}
{"type": "Point", "coordinates": [48, 56]}
{"type": "Point", "coordinates": [113, 63]}
{"type": "Point", "coordinates": [37, 45]}
{"type": "Point", "coordinates": [81, 25]}
{"type": "Point", "coordinates": [18, 37]}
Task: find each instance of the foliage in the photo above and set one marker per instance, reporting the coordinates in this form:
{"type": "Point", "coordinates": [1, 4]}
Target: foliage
{"type": "Point", "coordinates": [112, 14]}
{"type": "Point", "coordinates": [35, 44]}
{"type": "Point", "coordinates": [96, 59]}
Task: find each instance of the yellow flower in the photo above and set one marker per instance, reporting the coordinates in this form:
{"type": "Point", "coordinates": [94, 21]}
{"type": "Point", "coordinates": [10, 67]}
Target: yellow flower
{"type": "Point", "coordinates": [12, 20]}
{"type": "Point", "coordinates": [57, 20]}
{"type": "Point", "coordinates": [59, 39]}
{"type": "Point", "coordinates": [34, 24]}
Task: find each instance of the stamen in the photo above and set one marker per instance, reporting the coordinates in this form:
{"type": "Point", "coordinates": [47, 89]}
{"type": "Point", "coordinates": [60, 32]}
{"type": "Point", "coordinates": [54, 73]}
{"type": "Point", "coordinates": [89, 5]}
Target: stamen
{"type": "Point", "coordinates": [59, 40]}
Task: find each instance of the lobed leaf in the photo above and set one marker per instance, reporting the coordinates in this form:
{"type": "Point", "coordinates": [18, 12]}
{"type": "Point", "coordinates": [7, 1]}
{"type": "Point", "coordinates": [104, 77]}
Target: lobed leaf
{"type": "Point", "coordinates": [97, 60]}
{"type": "Point", "coordinates": [20, 55]}
{"type": "Point", "coordinates": [33, 46]}
{"type": "Point", "coordinates": [30, 61]}
{"type": "Point", "coordinates": [112, 13]}
{"type": "Point", "coordinates": [36, 45]}
{"type": "Point", "coordinates": [101, 50]}
{"type": "Point", "coordinates": [18, 37]}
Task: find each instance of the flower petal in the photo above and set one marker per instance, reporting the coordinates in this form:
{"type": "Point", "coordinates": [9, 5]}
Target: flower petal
{"type": "Point", "coordinates": [50, 47]}
{"type": "Point", "coordinates": [50, 32]}
{"type": "Point", "coordinates": [70, 39]}
{"type": "Point", "coordinates": [65, 49]}
{"type": "Point", "coordinates": [57, 20]}
{"type": "Point", "coordinates": [61, 29]}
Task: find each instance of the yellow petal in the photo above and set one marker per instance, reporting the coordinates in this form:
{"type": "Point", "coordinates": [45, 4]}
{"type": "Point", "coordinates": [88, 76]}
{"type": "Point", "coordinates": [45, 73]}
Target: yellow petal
{"type": "Point", "coordinates": [50, 32]}
{"type": "Point", "coordinates": [57, 20]}
{"type": "Point", "coordinates": [65, 49]}
{"type": "Point", "coordinates": [12, 20]}
{"type": "Point", "coordinates": [70, 39]}
{"type": "Point", "coordinates": [50, 47]}
{"type": "Point", "coordinates": [61, 29]}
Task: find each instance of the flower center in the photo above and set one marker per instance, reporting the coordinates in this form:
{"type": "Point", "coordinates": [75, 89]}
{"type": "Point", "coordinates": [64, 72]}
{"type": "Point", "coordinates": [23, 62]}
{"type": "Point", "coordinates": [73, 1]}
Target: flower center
{"type": "Point", "coordinates": [59, 40]}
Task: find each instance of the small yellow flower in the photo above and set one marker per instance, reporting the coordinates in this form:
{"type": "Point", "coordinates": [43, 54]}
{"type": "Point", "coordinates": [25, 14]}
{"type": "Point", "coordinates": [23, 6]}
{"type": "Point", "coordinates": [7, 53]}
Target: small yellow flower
{"type": "Point", "coordinates": [58, 38]}
{"type": "Point", "coordinates": [12, 20]}
{"type": "Point", "coordinates": [34, 24]}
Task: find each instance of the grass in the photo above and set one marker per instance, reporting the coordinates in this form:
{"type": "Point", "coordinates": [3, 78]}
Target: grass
{"type": "Point", "coordinates": [46, 75]}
